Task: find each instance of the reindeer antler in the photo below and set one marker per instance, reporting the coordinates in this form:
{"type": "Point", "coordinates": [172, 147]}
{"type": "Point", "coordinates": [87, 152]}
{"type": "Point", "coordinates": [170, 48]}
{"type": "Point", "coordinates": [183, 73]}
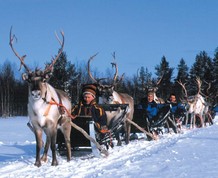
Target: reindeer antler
{"type": "Point", "coordinates": [114, 64]}
{"type": "Point", "coordinates": [89, 72]}
{"type": "Point", "coordinates": [158, 82]}
{"type": "Point", "coordinates": [49, 68]}
{"type": "Point", "coordinates": [12, 37]}
{"type": "Point", "coordinates": [116, 71]}
{"type": "Point", "coordinates": [199, 83]}
{"type": "Point", "coordinates": [183, 86]}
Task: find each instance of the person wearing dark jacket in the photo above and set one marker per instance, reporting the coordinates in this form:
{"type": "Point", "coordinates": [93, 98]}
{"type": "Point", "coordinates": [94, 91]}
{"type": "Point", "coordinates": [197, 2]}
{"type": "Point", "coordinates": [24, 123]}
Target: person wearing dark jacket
{"type": "Point", "coordinates": [177, 109]}
{"type": "Point", "coordinates": [88, 107]}
{"type": "Point", "coordinates": [154, 112]}
{"type": "Point", "coordinates": [151, 107]}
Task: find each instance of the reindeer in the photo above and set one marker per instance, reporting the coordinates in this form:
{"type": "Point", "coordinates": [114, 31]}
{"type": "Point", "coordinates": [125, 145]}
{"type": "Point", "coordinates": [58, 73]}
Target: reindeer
{"type": "Point", "coordinates": [108, 95]}
{"type": "Point", "coordinates": [44, 109]}
{"type": "Point", "coordinates": [197, 104]}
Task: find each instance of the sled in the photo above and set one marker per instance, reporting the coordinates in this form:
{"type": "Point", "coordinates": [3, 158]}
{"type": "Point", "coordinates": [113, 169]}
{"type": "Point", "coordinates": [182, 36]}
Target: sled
{"type": "Point", "coordinates": [163, 121]}
{"type": "Point", "coordinates": [79, 142]}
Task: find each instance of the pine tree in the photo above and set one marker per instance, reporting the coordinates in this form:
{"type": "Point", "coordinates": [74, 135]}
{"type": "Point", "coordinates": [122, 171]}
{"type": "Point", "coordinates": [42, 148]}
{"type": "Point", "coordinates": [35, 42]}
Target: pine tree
{"type": "Point", "coordinates": [140, 81]}
{"type": "Point", "coordinates": [214, 84]}
{"type": "Point", "coordinates": [202, 68]}
{"type": "Point", "coordinates": [182, 76]}
{"type": "Point", "coordinates": [65, 76]}
{"type": "Point", "coordinates": [163, 70]}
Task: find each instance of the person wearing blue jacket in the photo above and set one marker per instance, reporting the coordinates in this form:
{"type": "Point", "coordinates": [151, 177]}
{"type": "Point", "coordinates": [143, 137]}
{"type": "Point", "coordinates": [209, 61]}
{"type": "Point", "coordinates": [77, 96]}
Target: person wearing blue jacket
{"type": "Point", "coordinates": [177, 109]}
{"type": "Point", "coordinates": [154, 112]}
{"type": "Point", "coordinates": [152, 108]}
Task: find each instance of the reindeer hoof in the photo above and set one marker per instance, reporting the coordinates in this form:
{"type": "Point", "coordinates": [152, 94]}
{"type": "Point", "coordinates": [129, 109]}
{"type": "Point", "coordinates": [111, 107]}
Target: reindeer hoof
{"type": "Point", "coordinates": [38, 163]}
{"type": "Point", "coordinates": [119, 143]}
{"type": "Point", "coordinates": [54, 163]}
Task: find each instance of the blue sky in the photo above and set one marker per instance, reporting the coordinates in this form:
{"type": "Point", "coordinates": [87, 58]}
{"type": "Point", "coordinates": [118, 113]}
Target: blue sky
{"type": "Point", "coordinates": [139, 31]}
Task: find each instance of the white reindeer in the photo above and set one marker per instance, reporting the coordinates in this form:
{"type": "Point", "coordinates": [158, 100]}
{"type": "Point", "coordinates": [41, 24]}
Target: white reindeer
{"type": "Point", "coordinates": [197, 103]}
{"type": "Point", "coordinates": [44, 109]}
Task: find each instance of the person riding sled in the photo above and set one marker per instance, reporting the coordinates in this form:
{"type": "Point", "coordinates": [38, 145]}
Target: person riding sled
{"type": "Point", "coordinates": [154, 112]}
{"type": "Point", "coordinates": [89, 107]}
{"type": "Point", "coordinates": [177, 109]}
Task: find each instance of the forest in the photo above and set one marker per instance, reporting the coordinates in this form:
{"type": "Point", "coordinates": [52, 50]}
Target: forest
{"type": "Point", "coordinates": [69, 78]}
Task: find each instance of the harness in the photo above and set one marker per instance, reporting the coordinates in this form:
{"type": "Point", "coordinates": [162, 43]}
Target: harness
{"type": "Point", "coordinates": [52, 102]}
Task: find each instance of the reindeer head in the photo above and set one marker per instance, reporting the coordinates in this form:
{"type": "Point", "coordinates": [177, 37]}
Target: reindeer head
{"type": "Point", "coordinates": [36, 79]}
{"type": "Point", "coordinates": [105, 92]}
{"type": "Point", "coordinates": [196, 101]}
{"type": "Point", "coordinates": [152, 87]}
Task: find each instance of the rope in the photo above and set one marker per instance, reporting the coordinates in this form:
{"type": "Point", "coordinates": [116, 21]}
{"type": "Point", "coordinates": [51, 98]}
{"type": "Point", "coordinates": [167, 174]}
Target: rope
{"type": "Point", "coordinates": [61, 105]}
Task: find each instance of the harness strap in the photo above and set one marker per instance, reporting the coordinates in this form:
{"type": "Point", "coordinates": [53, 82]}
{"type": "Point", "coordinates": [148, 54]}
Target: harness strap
{"type": "Point", "coordinates": [49, 106]}
{"type": "Point", "coordinates": [53, 102]}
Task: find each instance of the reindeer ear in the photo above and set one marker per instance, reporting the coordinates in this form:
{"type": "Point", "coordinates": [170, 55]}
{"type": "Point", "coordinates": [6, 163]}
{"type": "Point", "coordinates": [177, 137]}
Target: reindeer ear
{"type": "Point", "coordinates": [25, 76]}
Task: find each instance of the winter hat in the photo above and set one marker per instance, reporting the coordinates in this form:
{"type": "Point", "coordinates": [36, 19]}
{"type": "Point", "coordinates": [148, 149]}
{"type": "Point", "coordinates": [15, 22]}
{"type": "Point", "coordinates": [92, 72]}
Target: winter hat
{"type": "Point", "coordinates": [150, 93]}
{"type": "Point", "coordinates": [89, 89]}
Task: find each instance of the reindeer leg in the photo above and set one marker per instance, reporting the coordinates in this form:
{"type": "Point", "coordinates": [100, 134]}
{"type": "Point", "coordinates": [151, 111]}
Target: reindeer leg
{"type": "Point", "coordinates": [192, 124]}
{"type": "Point", "coordinates": [210, 120]}
{"type": "Point", "coordinates": [186, 119]}
{"type": "Point", "coordinates": [53, 147]}
{"type": "Point", "coordinates": [66, 132]}
{"type": "Point", "coordinates": [168, 127]}
{"type": "Point", "coordinates": [45, 153]}
{"type": "Point", "coordinates": [117, 136]}
{"type": "Point", "coordinates": [127, 132]}
{"type": "Point", "coordinates": [201, 120]}
{"type": "Point", "coordinates": [38, 135]}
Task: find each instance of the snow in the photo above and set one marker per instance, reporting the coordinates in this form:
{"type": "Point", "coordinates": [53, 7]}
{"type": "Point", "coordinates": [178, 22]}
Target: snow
{"type": "Point", "coordinates": [192, 153]}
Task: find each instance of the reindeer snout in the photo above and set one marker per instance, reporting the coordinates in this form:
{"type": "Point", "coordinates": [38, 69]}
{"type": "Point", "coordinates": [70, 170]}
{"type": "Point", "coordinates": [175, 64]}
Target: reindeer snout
{"type": "Point", "coordinates": [36, 94]}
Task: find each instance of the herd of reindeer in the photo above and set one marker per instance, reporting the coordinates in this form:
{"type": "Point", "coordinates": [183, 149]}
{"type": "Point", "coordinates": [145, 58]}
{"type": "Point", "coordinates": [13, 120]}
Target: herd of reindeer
{"type": "Point", "coordinates": [44, 103]}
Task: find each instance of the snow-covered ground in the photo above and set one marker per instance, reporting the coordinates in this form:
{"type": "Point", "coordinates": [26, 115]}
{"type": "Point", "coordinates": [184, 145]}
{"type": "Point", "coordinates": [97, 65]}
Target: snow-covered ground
{"type": "Point", "coordinates": [191, 154]}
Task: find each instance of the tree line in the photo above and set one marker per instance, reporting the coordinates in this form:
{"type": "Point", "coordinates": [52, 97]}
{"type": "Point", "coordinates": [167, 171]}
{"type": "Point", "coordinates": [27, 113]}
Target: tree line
{"type": "Point", "coordinates": [69, 78]}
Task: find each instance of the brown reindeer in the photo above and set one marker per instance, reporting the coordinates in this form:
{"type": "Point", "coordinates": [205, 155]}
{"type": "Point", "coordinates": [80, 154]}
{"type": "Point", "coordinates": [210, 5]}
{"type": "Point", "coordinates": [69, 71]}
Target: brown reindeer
{"type": "Point", "coordinates": [107, 95]}
{"type": "Point", "coordinates": [44, 109]}
{"type": "Point", "coordinates": [197, 104]}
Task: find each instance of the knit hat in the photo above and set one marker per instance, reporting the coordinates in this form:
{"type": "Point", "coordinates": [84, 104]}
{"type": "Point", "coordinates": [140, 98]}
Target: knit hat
{"type": "Point", "coordinates": [89, 89]}
{"type": "Point", "coordinates": [150, 93]}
